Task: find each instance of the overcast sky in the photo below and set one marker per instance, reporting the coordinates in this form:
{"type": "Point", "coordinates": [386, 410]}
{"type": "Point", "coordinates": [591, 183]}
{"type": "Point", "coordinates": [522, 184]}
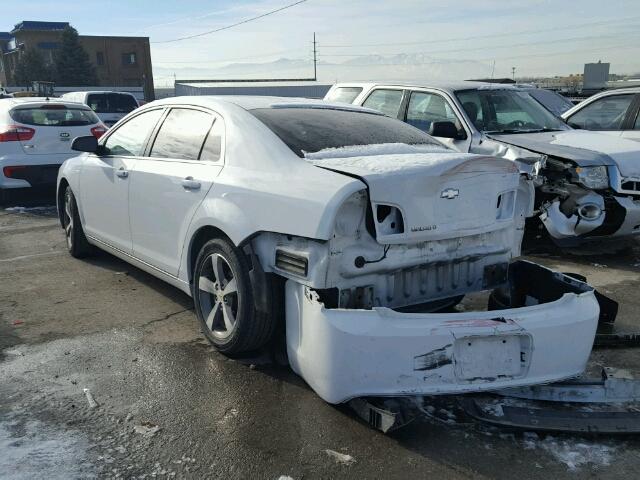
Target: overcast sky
{"type": "Point", "coordinates": [359, 40]}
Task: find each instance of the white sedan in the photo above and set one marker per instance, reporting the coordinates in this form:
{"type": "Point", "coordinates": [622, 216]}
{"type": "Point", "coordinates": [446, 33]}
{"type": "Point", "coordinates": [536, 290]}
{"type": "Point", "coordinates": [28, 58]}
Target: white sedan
{"type": "Point", "coordinates": [612, 112]}
{"type": "Point", "coordinates": [360, 227]}
{"type": "Point", "coordinates": [35, 138]}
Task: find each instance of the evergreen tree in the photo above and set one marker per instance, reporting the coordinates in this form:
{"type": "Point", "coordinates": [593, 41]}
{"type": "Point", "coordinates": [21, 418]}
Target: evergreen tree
{"type": "Point", "coordinates": [72, 64]}
{"type": "Point", "coordinates": [31, 67]}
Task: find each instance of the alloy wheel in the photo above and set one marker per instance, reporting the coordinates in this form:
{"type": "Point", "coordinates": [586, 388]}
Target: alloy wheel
{"type": "Point", "coordinates": [218, 294]}
{"type": "Point", "coordinates": [68, 218]}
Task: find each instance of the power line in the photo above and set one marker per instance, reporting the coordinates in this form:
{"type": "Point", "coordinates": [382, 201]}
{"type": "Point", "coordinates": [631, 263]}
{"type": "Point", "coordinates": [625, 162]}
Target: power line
{"type": "Point", "coordinates": [233, 25]}
{"type": "Point", "coordinates": [467, 49]}
{"type": "Point", "coordinates": [232, 59]}
{"type": "Point", "coordinates": [477, 37]}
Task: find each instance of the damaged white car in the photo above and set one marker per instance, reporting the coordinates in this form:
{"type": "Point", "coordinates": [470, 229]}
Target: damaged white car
{"type": "Point", "coordinates": [587, 184]}
{"type": "Point", "coordinates": [361, 227]}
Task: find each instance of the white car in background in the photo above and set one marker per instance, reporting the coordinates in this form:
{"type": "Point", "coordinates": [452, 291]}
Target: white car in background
{"type": "Point", "coordinates": [109, 106]}
{"type": "Point", "coordinates": [359, 226]}
{"type": "Point", "coordinates": [35, 139]}
{"type": "Point", "coordinates": [586, 183]}
{"type": "Point", "coordinates": [613, 112]}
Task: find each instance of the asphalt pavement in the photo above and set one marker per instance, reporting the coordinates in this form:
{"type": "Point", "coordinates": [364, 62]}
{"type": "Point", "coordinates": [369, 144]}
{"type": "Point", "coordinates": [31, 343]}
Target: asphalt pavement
{"type": "Point", "coordinates": [105, 374]}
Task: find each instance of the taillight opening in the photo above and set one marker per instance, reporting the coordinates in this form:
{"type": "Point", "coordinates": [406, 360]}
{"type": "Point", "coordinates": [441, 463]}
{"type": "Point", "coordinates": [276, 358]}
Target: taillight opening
{"type": "Point", "coordinates": [98, 131]}
{"type": "Point", "coordinates": [10, 171]}
{"type": "Point", "coordinates": [16, 133]}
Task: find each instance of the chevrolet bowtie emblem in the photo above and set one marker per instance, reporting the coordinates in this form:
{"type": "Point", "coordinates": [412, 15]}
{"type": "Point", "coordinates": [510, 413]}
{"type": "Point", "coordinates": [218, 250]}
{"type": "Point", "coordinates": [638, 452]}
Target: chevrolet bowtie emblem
{"type": "Point", "coordinates": [450, 193]}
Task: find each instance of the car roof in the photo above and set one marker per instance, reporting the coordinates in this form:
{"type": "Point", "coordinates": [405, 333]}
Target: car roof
{"type": "Point", "coordinates": [618, 91]}
{"type": "Point", "coordinates": [93, 92]}
{"type": "Point", "coordinates": [444, 86]}
{"type": "Point", "coordinates": [251, 102]}
{"type": "Point", "coordinates": [20, 101]}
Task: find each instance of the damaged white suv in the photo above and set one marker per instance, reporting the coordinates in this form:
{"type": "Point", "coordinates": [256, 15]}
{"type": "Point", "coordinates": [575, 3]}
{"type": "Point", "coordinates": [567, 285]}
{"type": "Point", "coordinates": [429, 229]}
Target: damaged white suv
{"type": "Point", "coordinates": [587, 184]}
{"type": "Point", "coordinates": [361, 227]}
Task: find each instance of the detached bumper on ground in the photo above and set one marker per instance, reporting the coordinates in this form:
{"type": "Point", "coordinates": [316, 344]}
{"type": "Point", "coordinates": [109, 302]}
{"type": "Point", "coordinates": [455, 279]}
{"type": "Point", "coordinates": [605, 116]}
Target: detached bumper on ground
{"type": "Point", "coordinates": [343, 354]}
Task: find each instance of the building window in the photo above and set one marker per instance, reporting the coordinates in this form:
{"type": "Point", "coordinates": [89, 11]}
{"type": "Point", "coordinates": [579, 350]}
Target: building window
{"type": "Point", "coordinates": [129, 58]}
{"type": "Point", "coordinates": [100, 58]}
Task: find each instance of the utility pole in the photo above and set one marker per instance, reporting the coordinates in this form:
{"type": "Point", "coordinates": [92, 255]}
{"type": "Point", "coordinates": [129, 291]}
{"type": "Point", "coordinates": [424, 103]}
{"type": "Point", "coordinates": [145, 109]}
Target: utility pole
{"type": "Point", "coordinates": [315, 68]}
{"type": "Point", "coordinates": [513, 73]}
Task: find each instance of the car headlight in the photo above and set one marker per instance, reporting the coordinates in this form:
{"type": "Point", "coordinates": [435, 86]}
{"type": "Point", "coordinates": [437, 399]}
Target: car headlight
{"type": "Point", "coordinates": [593, 177]}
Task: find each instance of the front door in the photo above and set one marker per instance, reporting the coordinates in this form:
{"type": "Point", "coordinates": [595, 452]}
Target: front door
{"type": "Point", "coordinates": [170, 183]}
{"type": "Point", "coordinates": [605, 115]}
{"type": "Point", "coordinates": [105, 181]}
{"type": "Point", "coordinates": [424, 108]}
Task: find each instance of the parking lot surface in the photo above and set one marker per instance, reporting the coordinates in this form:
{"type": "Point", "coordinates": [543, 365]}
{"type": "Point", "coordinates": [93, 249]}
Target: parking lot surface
{"type": "Point", "coordinates": [167, 405]}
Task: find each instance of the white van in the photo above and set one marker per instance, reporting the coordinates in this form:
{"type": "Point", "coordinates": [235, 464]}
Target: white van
{"type": "Point", "coordinates": [109, 106]}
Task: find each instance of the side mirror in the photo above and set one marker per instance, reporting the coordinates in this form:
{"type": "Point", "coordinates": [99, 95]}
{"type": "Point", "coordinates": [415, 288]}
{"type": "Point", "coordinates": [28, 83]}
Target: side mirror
{"type": "Point", "coordinates": [85, 144]}
{"type": "Point", "coordinates": [446, 130]}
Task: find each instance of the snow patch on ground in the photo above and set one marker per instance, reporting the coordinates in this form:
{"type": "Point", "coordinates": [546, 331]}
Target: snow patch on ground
{"type": "Point", "coordinates": [49, 210]}
{"type": "Point", "coordinates": [30, 449]}
{"type": "Point", "coordinates": [374, 149]}
{"type": "Point", "coordinates": [575, 453]}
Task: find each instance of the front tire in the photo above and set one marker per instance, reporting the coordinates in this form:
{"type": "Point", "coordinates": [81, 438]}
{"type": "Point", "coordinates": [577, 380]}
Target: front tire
{"type": "Point", "coordinates": [77, 243]}
{"type": "Point", "coordinates": [224, 300]}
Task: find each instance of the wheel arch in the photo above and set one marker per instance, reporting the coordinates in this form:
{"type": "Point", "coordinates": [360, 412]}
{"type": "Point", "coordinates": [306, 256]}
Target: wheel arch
{"type": "Point", "coordinates": [198, 239]}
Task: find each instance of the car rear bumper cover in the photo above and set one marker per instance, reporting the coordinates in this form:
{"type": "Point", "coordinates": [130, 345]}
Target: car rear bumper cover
{"type": "Point", "coordinates": [343, 354]}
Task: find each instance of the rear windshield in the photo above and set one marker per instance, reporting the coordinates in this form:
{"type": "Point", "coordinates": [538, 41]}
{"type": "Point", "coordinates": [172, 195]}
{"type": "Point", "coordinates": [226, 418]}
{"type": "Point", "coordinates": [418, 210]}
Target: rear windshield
{"type": "Point", "coordinates": [343, 94]}
{"type": "Point", "coordinates": [111, 102]}
{"type": "Point", "coordinates": [54, 116]}
{"type": "Point", "coordinates": [308, 130]}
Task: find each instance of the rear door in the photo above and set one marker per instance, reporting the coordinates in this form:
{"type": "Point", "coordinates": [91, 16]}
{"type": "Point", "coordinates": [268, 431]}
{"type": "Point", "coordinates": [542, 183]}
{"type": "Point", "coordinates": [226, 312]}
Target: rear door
{"type": "Point", "coordinates": [105, 180]}
{"type": "Point", "coordinates": [386, 100]}
{"type": "Point", "coordinates": [184, 158]}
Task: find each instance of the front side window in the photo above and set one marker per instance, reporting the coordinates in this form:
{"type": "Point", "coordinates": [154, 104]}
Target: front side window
{"type": "Point", "coordinates": [637, 124]}
{"type": "Point", "coordinates": [309, 130]}
{"type": "Point", "coordinates": [182, 134]}
{"type": "Point", "coordinates": [426, 108]}
{"type": "Point", "coordinates": [506, 111]}
{"type": "Point", "coordinates": [54, 116]}
{"type": "Point", "coordinates": [344, 94]}
{"type": "Point", "coordinates": [129, 138]}
{"type": "Point", "coordinates": [606, 113]}
{"type": "Point", "coordinates": [385, 101]}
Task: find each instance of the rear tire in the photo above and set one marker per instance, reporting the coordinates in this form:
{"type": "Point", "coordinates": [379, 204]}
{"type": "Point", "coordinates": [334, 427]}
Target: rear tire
{"type": "Point", "coordinates": [224, 300]}
{"type": "Point", "coordinates": [77, 243]}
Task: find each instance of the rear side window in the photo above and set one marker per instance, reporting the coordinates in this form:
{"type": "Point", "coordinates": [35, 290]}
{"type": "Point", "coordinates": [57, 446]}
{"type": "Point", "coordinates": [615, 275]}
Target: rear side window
{"type": "Point", "coordinates": [344, 94]}
{"type": "Point", "coordinates": [111, 102]}
{"type": "Point", "coordinates": [385, 101]}
{"type": "Point", "coordinates": [182, 134]}
{"type": "Point", "coordinates": [308, 130]}
{"type": "Point", "coordinates": [54, 116]}
{"type": "Point", "coordinates": [212, 149]}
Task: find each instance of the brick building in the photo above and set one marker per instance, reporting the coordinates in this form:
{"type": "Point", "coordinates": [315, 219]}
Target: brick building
{"type": "Point", "coordinates": [119, 61]}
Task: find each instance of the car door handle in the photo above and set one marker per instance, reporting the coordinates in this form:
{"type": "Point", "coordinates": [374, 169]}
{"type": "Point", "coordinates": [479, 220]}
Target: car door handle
{"type": "Point", "coordinates": [122, 173]}
{"type": "Point", "coordinates": [190, 184]}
